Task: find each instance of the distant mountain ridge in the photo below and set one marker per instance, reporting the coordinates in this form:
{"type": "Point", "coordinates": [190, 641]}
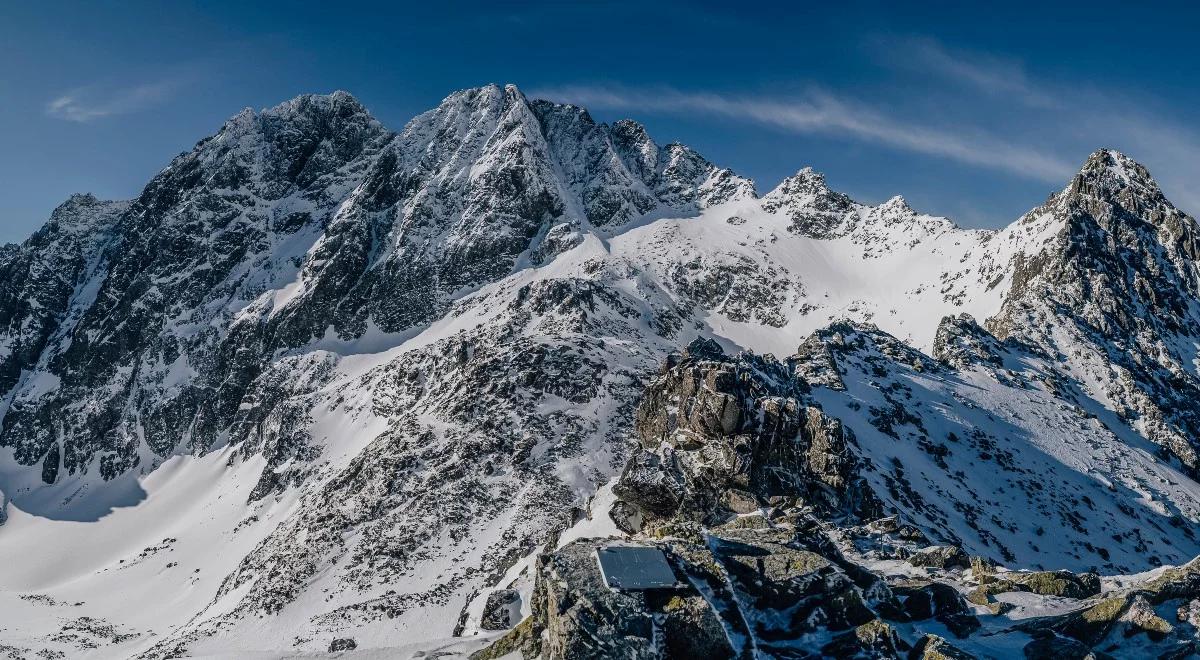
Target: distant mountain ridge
{"type": "Point", "coordinates": [406, 360]}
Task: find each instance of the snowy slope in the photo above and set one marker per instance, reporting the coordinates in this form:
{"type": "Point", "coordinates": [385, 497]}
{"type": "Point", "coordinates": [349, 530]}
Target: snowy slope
{"type": "Point", "coordinates": [354, 376]}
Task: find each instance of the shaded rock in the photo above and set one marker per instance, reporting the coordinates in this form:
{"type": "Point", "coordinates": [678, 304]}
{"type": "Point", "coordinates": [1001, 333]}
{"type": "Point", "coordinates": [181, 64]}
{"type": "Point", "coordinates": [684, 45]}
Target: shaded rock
{"type": "Point", "coordinates": [501, 610]}
{"type": "Point", "coordinates": [626, 517]}
{"type": "Point", "coordinates": [925, 600]}
{"type": "Point", "coordinates": [932, 647]}
{"type": "Point", "coordinates": [522, 639]}
{"type": "Point", "coordinates": [1089, 626]}
{"type": "Point", "coordinates": [1058, 583]}
{"type": "Point", "coordinates": [692, 630]}
{"type": "Point", "coordinates": [1180, 651]}
{"type": "Point", "coordinates": [944, 557]}
{"type": "Point", "coordinates": [651, 484]}
{"type": "Point", "coordinates": [1140, 617]}
{"type": "Point", "coordinates": [873, 639]}
{"type": "Point", "coordinates": [342, 644]}
{"type": "Point", "coordinates": [961, 625]}
{"type": "Point", "coordinates": [1061, 648]}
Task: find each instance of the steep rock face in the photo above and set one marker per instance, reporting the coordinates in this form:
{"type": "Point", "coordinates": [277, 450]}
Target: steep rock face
{"type": "Point", "coordinates": [151, 364]}
{"type": "Point", "coordinates": [311, 223]}
{"type": "Point", "coordinates": [712, 428]}
{"type": "Point", "coordinates": [1115, 295]}
{"type": "Point", "coordinates": [40, 279]}
{"type": "Point", "coordinates": [857, 425]}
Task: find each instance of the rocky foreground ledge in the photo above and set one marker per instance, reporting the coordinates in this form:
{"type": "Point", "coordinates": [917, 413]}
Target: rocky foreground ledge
{"type": "Point", "coordinates": [782, 587]}
{"type": "Point", "coordinates": [782, 548]}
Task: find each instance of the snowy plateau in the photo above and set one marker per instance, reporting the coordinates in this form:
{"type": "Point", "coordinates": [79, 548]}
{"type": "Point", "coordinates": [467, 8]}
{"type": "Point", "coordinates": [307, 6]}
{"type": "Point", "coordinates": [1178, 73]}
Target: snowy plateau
{"type": "Point", "coordinates": [328, 390]}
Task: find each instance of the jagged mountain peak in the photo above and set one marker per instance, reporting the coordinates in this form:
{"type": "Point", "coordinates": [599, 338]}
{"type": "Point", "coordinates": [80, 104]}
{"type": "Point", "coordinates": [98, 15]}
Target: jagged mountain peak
{"type": "Point", "coordinates": [1114, 170]}
{"type": "Point", "coordinates": [81, 212]}
{"type": "Point", "coordinates": [896, 204]}
{"type": "Point", "coordinates": [814, 208]}
{"type": "Point", "coordinates": [807, 181]}
{"type": "Point", "coordinates": [1112, 184]}
{"type": "Point", "coordinates": [338, 107]}
{"type": "Point", "coordinates": [298, 145]}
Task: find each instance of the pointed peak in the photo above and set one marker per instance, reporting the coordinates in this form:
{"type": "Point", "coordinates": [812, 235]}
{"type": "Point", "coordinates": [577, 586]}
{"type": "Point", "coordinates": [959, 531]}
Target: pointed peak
{"type": "Point", "coordinates": [1107, 173]}
{"type": "Point", "coordinates": [336, 109]}
{"type": "Point", "coordinates": [815, 210]}
{"type": "Point", "coordinates": [488, 92]}
{"type": "Point", "coordinates": [896, 204]}
{"type": "Point", "coordinates": [630, 133]}
{"type": "Point", "coordinates": [79, 199]}
{"type": "Point", "coordinates": [338, 102]}
{"type": "Point", "coordinates": [805, 182]}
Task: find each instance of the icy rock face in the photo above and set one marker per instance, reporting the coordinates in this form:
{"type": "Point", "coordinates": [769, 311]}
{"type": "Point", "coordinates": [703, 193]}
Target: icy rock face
{"type": "Point", "coordinates": [152, 359]}
{"type": "Point", "coordinates": [1115, 298]}
{"type": "Point", "coordinates": [302, 223]}
{"type": "Point", "coordinates": [40, 280]}
{"type": "Point", "coordinates": [814, 209]}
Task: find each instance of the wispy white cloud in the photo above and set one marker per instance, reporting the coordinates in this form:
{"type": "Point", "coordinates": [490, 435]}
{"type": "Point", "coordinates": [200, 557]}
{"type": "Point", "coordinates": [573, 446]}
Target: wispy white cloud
{"type": "Point", "coordinates": [824, 113]}
{"type": "Point", "coordinates": [992, 75]}
{"type": "Point", "coordinates": [1072, 117]}
{"type": "Point", "coordinates": [93, 102]}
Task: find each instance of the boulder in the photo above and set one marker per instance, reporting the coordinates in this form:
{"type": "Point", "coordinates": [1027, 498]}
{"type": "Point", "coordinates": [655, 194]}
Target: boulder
{"type": "Point", "coordinates": [582, 617]}
{"type": "Point", "coordinates": [626, 517]}
{"type": "Point", "coordinates": [577, 616]}
{"type": "Point", "coordinates": [1140, 617]}
{"type": "Point", "coordinates": [1178, 582]}
{"type": "Point", "coordinates": [501, 610]}
{"type": "Point", "coordinates": [1089, 625]}
{"type": "Point", "coordinates": [873, 639]}
{"type": "Point", "coordinates": [941, 556]}
{"type": "Point", "coordinates": [692, 630]}
{"type": "Point", "coordinates": [1058, 583]}
{"type": "Point", "coordinates": [932, 647]}
{"type": "Point", "coordinates": [522, 639]}
{"type": "Point", "coordinates": [924, 600]}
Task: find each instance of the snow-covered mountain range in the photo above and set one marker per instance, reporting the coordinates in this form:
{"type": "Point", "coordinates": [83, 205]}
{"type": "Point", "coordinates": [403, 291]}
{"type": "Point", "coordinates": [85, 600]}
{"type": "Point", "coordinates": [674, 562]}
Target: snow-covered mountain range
{"type": "Point", "coordinates": [321, 381]}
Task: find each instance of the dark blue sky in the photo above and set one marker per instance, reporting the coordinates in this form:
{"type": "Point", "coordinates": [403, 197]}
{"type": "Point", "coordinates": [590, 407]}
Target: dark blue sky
{"type": "Point", "coordinates": [972, 113]}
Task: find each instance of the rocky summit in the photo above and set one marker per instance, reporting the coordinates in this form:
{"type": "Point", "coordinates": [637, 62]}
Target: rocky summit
{"type": "Point", "coordinates": [328, 389]}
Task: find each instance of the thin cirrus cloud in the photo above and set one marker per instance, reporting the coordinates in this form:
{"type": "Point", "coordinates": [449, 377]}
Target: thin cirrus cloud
{"type": "Point", "coordinates": [1081, 117]}
{"type": "Point", "coordinates": [92, 102]}
{"type": "Point", "coordinates": [824, 113]}
{"type": "Point", "coordinates": [992, 75]}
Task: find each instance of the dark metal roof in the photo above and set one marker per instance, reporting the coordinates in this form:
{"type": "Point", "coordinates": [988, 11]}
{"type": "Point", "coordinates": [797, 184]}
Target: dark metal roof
{"type": "Point", "coordinates": [634, 567]}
